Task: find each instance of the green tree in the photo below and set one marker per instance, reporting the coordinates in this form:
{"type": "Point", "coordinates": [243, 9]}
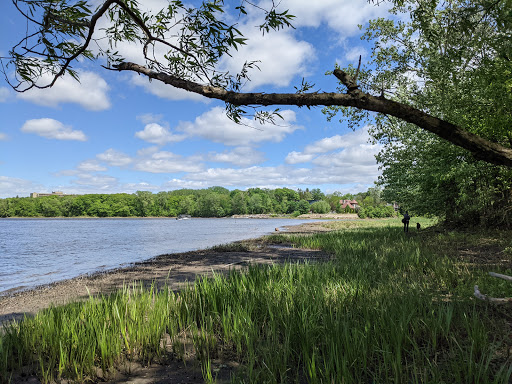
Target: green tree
{"type": "Point", "coordinates": [255, 204]}
{"type": "Point", "coordinates": [61, 33]}
{"type": "Point", "coordinates": [144, 203]}
{"type": "Point", "coordinates": [303, 207]}
{"type": "Point", "coordinates": [239, 203]}
{"type": "Point", "coordinates": [320, 207]}
{"type": "Point", "coordinates": [462, 71]}
{"type": "Point", "coordinates": [187, 205]}
{"type": "Point", "coordinates": [48, 207]}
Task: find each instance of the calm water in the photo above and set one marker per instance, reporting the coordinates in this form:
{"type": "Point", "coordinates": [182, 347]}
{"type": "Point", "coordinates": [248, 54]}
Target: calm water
{"type": "Point", "coordinates": [41, 251]}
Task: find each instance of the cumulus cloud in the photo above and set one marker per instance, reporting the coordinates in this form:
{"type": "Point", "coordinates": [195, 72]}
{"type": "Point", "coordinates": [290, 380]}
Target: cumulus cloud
{"type": "Point", "coordinates": [214, 125]}
{"type": "Point", "coordinates": [101, 182]}
{"type": "Point", "coordinates": [4, 94]}
{"type": "Point", "coordinates": [276, 177]}
{"type": "Point", "coordinates": [342, 16]}
{"type": "Point", "coordinates": [12, 186]}
{"type": "Point", "coordinates": [354, 144]}
{"type": "Point", "coordinates": [168, 162]}
{"type": "Point", "coordinates": [280, 57]}
{"type": "Point", "coordinates": [362, 155]}
{"type": "Point", "coordinates": [298, 157]}
{"type": "Point", "coordinates": [91, 92]}
{"type": "Point", "coordinates": [241, 156]}
{"type": "Point", "coordinates": [181, 184]}
{"type": "Point", "coordinates": [157, 134]}
{"type": "Point", "coordinates": [353, 53]}
{"type": "Point", "coordinates": [90, 166]}
{"type": "Point", "coordinates": [115, 158]}
{"type": "Point", "coordinates": [52, 129]}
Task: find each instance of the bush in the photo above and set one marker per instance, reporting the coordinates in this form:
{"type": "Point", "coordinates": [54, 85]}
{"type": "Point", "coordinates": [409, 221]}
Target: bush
{"type": "Point", "coordinates": [375, 212]}
{"type": "Point", "coordinates": [320, 207]}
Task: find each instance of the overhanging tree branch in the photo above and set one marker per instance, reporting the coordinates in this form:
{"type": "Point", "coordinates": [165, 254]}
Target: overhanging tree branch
{"type": "Point", "coordinates": [481, 148]}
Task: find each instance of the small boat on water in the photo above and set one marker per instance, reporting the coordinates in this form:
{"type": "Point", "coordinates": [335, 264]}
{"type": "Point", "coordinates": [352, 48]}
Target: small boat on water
{"type": "Point", "coordinates": [183, 217]}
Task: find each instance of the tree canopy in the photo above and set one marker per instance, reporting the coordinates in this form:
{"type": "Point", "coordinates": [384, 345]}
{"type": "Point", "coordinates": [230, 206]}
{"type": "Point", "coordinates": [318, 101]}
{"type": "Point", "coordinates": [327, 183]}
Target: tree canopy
{"type": "Point", "coordinates": [182, 46]}
{"type": "Point", "coordinates": [454, 60]}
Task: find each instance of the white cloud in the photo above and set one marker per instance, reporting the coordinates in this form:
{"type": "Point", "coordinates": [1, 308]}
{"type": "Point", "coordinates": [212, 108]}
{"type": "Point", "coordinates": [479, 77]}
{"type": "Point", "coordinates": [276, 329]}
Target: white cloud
{"type": "Point", "coordinates": [115, 158]}
{"type": "Point", "coordinates": [252, 176]}
{"type": "Point", "coordinates": [157, 134]}
{"type": "Point", "coordinates": [298, 157]}
{"type": "Point", "coordinates": [362, 155]}
{"type": "Point", "coordinates": [354, 145]}
{"type": "Point", "coordinates": [4, 94]}
{"type": "Point", "coordinates": [149, 118]}
{"type": "Point", "coordinates": [327, 144]}
{"type": "Point", "coordinates": [342, 16]}
{"type": "Point", "coordinates": [214, 125]}
{"type": "Point", "coordinates": [168, 162]}
{"type": "Point", "coordinates": [90, 166]}
{"type": "Point", "coordinates": [280, 57]}
{"type": "Point", "coordinates": [12, 186]}
{"type": "Point", "coordinates": [352, 55]}
{"type": "Point", "coordinates": [180, 184]}
{"type": "Point", "coordinates": [102, 182]}
{"type": "Point", "coordinates": [91, 92]}
{"type": "Point", "coordinates": [3, 136]}
{"type": "Point", "coordinates": [241, 156]}
{"type": "Point", "coordinates": [276, 177]}
{"type": "Point", "coordinates": [52, 129]}
{"type": "Point", "coordinates": [165, 91]}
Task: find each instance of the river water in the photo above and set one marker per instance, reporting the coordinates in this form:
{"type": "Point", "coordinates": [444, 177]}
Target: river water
{"type": "Point", "coordinates": [41, 251]}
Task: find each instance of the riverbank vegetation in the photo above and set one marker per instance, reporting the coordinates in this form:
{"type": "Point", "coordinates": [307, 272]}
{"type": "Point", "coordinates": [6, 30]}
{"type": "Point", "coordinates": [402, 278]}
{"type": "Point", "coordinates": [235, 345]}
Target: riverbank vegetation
{"type": "Point", "coordinates": [210, 202]}
{"type": "Point", "coordinates": [384, 308]}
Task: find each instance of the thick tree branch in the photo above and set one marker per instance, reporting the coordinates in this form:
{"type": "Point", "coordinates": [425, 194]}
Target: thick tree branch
{"type": "Point", "coordinates": [481, 148]}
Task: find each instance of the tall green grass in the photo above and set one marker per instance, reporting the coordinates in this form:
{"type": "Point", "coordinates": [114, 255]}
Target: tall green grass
{"type": "Point", "coordinates": [388, 308]}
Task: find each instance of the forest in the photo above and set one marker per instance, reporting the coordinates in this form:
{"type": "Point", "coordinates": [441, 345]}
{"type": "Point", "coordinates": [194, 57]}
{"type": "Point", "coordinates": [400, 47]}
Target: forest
{"type": "Point", "coordinates": [210, 202]}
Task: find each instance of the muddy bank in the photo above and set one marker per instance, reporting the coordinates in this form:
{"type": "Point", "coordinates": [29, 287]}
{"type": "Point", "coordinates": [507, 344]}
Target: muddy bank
{"type": "Point", "coordinates": [175, 270]}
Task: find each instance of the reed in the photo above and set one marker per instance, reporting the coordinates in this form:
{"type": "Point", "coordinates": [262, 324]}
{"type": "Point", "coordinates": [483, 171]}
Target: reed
{"type": "Point", "coordinates": [387, 308]}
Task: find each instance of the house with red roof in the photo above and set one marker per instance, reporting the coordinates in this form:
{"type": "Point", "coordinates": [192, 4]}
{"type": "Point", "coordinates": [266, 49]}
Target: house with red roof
{"type": "Point", "coordinates": [351, 204]}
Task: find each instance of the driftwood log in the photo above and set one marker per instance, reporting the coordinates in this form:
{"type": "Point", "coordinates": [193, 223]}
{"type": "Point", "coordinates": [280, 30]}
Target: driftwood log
{"type": "Point", "coordinates": [494, 300]}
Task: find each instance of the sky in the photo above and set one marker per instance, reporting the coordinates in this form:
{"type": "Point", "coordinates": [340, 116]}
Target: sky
{"type": "Point", "coordinates": [117, 132]}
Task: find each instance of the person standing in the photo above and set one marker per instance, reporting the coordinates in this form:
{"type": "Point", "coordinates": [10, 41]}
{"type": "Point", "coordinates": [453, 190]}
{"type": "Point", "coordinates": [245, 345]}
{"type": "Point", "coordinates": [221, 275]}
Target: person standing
{"type": "Point", "coordinates": [406, 220]}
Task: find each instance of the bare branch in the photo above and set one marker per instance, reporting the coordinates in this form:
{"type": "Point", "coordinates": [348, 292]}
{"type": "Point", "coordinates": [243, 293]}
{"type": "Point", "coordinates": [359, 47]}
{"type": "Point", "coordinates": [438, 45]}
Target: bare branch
{"type": "Point", "coordinates": [494, 300]}
{"type": "Point", "coordinates": [500, 276]}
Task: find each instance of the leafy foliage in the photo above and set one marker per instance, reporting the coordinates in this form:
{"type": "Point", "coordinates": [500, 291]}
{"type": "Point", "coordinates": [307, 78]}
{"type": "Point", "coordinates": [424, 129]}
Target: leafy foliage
{"type": "Point", "coordinates": [451, 59]}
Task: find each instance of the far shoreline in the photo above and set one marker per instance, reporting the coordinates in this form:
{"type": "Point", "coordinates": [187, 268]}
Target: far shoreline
{"type": "Point", "coordinates": [307, 216]}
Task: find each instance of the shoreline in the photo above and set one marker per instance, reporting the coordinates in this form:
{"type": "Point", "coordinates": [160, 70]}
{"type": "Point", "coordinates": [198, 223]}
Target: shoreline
{"type": "Point", "coordinates": [174, 270]}
{"type": "Point", "coordinates": [320, 216]}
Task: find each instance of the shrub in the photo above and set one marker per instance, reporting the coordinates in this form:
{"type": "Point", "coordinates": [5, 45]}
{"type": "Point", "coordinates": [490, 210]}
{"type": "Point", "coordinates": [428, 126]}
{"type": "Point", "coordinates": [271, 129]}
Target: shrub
{"type": "Point", "coordinates": [320, 207]}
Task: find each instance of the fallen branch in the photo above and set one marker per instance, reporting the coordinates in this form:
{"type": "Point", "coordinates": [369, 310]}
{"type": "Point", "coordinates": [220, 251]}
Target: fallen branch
{"type": "Point", "coordinates": [494, 300]}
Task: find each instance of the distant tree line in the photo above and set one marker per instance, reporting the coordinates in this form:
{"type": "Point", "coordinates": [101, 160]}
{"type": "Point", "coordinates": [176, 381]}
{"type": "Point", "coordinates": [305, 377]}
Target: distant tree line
{"type": "Point", "coordinates": [210, 202]}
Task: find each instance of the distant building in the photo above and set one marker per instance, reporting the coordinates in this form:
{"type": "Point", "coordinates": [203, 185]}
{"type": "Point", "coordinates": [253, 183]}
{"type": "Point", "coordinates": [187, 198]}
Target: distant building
{"type": "Point", "coordinates": [55, 193]}
{"type": "Point", "coordinates": [352, 204]}
{"type": "Point", "coordinates": [395, 206]}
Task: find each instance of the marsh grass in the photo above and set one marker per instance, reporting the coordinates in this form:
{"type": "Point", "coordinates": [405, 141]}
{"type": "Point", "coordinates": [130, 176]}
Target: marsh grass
{"type": "Point", "coordinates": [389, 308]}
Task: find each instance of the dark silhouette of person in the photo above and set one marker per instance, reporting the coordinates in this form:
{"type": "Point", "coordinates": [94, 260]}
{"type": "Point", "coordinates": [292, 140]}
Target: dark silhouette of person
{"type": "Point", "coordinates": [406, 220]}
{"type": "Point", "coordinates": [418, 226]}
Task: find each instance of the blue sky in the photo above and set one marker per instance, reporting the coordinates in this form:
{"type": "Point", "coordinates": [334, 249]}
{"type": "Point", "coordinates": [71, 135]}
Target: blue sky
{"type": "Point", "coordinates": [118, 132]}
